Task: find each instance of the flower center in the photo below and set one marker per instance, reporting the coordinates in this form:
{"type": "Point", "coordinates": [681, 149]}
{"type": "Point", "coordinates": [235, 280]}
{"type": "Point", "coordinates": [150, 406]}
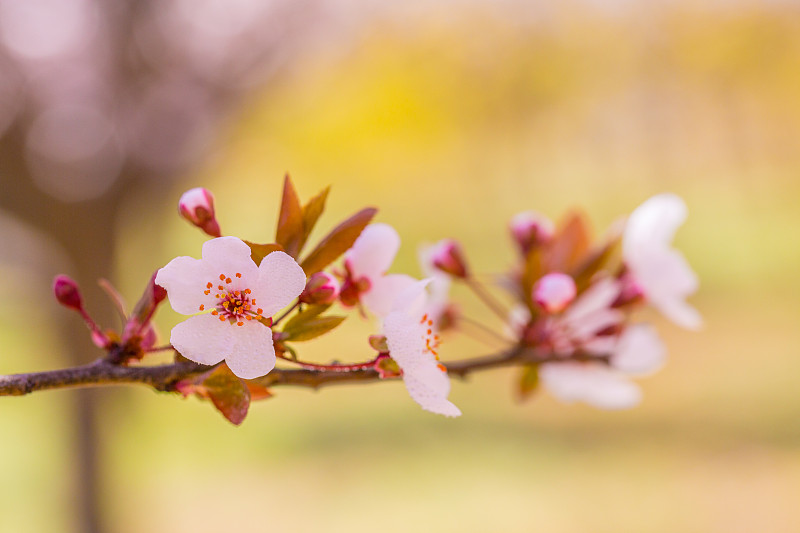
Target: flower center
{"type": "Point", "coordinates": [431, 339]}
{"type": "Point", "coordinates": [233, 304]}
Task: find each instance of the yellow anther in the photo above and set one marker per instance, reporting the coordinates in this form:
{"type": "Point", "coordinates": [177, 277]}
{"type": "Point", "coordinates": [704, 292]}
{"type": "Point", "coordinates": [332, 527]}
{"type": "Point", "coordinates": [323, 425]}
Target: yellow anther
{"type": "Point", "coordinates": [238, 275]}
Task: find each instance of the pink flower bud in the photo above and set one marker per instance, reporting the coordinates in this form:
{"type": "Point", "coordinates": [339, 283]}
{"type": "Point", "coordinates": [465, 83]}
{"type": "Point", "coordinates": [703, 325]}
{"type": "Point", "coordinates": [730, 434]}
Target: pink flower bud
{"type": "Point", "coordinates": [322, 288]}
{"type": "Point", "coordinates": [531, 229]}
{"type": "Point", "coordinates": [67, 292]}
{"type": "Point", "coordinates": [446, 255]}
{"type": "Point", "coordinates": [197, 206]}
{"type": "Point", "coordinates": [554, 292]}
{"type": "Point", "coordinates": [631, 292]}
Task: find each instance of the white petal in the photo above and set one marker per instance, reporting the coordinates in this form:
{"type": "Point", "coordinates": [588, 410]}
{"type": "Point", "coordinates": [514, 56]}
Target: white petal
{"type": "Point", "coordinates": [373, 252]}
{"type": "Point", "coordinates": [679, 312]}
{"type": "Point", "coordinates": [228, 256]}
{"type": "Point", "coordinates": [429, 386]}
{"type": "Point", "coordinates": [654, 223]}
{"type": "Point", "coordinates": [596, 322]}
{"type": "Point", "coordinates": [600, 295]}
{"type": "Point", "coordinates": [639, 351]}
{"type": "Point", "coordinates": [405, 337]}
{"type": "Point", "coordinates": [384, 291]}
{"type": "Point", "coordinates": [185, 279]}
{"type": "Point", "coordinates": [592, 383]}
{"type": "Point", "coordinates": [253, 352]}
{"type": "Point", "coordinates": [280, 280]}
{"type": "Point", "coordinates": [203, 339]}
{"type": "Point", "coordinates": [667, 279]}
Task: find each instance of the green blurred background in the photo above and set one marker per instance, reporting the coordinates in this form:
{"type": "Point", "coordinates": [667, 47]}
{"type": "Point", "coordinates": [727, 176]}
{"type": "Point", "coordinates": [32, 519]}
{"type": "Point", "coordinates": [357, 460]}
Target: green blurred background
{"type": "Point", "coordinates": [451, 119]}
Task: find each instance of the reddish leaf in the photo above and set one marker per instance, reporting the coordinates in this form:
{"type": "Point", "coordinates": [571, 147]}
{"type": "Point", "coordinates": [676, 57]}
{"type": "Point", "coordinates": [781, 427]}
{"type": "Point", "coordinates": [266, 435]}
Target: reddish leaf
{"type": "Point", "coordinates": [290, 221]}
{"type": "Point", "coordinates": [528, 382]}
{"type": "Point", "coordinates": [311, 213]}
{"type": "Point", "coordinates": [260, 251]}
{"type": "Point", "coordinates": [228, 393]}
{"type": "Point", "coordinates": [337, 241]}
{"type": "Point", "coordinates": [569, 245]}
{"type": "Point", "coordinates": [258, 392]}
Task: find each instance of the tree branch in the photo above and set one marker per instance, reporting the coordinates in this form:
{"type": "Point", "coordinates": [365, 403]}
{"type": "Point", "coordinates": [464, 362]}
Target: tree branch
{"type": "Point", "coordinates": [164, 377]}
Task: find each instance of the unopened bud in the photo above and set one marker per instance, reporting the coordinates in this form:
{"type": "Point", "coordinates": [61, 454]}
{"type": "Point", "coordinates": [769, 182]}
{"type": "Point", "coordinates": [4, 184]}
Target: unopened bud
{"type": "Point", "coordinates": [446, 255]}
{"type": "Point", "coordinates": [554, 292]}
{"type": "Point", "coordinates": [67, 292]}
{"type": "Point", "coordinates": [322, 288]}
{"type": "Point", "coordinates": [531, 229]}
{"type": "Point", "coordinates": [197, 206]}
{"type": "Point", "coordinates": [378, 343]}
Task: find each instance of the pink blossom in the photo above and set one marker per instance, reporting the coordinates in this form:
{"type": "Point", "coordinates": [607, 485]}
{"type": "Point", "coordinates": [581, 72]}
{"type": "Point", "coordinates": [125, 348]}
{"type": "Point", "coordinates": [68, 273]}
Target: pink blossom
{"type": "Point", "coordinates": [412, 341]}
{"type": "Point", "coordinates": [659, 270]}
{"type": "Point", "coordinates": [366, 264]}
{"type": "Point", "coordinates": [235, 299]}
{"type": "Point", "coordinates": [637, 351]}
{"type": "Point", "coordinates": [554, 292]}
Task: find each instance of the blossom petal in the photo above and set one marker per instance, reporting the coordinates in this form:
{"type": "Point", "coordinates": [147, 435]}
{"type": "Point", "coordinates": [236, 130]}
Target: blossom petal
{"type": "Point", "coordinates": [253, 352]}
{"type": "Point", "coordinates": [405, 337]}
{"type": "Point", "coordinates": [592, 383]}
{"type": "Point", "coordinates": [203, 339]}
{"type": "Point", "coordinates": [429, 386]}
{"type": "Point", "coordinates": [373, 252]}
{"type": "Point", "coordinates": [654, 223]}
{"type": "Point", "coordinates": [639, 351]}
{"type": "Point", "coordinates": [280, 280]}
{"type": "Point", "coordinates": [599, 296]}
{"type": "Point", "coordinates": [229, 255]}
{"type": "Point", "coordinates": [381, 296]}
{"type": "Point", "coordinates": [185, 280]}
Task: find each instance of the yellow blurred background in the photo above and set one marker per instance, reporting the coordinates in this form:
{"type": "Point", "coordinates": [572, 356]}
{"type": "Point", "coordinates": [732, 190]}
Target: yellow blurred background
{"type": "Point", "coordinates": [450, 122]}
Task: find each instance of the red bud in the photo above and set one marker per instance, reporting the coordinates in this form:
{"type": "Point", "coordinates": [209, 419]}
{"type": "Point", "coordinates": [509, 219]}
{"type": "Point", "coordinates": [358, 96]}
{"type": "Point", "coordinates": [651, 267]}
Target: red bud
{"type": "Point", "coordinates": [67, 292]}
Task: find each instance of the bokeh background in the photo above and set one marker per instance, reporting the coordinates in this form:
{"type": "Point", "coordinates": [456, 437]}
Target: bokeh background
{"type": "Point", "coordinates": [450, 117]}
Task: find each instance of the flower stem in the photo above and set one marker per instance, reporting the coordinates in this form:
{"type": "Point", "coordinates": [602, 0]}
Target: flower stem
{"type": "Point", "coordinates": [286, 313]}
{"type": "Point", "coordinates": [484, 328]}
{"type": "Point", "coordinates": [331, 368]}
{"type": "Point", "coordinates": [487, 298]}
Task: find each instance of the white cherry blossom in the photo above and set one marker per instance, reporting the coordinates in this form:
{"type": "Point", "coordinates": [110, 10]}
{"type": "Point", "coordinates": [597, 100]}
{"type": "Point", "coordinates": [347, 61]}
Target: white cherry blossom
{"type": "Point", "coordinates": [412, 341]}
{"type": "Point", "coordinates": [660, 270]}
{"type": "Point", "coordinates": [366, 264]}
{"type": "Point", "coordinates": [234, 298]}
{"type": "Point", "coordinates": [637, 351]}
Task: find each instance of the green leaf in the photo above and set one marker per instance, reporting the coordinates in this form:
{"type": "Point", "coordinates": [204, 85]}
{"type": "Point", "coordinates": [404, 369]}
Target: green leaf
{"type": "Point", "coordinates": [337, 241]}
{"type": "Point", "coordinates": [228, 393]}
{"type": "Point", "coordinates": [290, 221]}
{"type": "Point", "coordinates": [311, 311]}
{"type": "Point", "coordinates": [311, 213]}
{"type": "Point", "coordinates": [259, 251]}
{"type": "Point", "coordinates": [529, 382]}
{"type": "Point", "coordinates": [313, 328]}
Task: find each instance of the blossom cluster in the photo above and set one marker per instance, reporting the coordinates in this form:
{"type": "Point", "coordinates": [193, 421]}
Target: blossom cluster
{"type": "Point", "coordinates": [569, 304]}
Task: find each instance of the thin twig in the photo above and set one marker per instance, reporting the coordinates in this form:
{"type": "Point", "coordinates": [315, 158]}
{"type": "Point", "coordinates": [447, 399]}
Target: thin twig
{"type": "Point", "coordinates": [164, 377]}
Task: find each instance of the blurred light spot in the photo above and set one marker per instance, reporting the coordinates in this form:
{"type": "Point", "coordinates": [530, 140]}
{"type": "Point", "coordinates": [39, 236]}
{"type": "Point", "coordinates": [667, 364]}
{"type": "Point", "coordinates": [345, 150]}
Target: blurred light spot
{"type": "Point", "coordinates": [170, 125]}
{"type": "Point", "coordinates": [40, 29]}
{"type": "Point", "coordinates": [10, 95]}
{"type": "Point", "coordinates": [72, 152]}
